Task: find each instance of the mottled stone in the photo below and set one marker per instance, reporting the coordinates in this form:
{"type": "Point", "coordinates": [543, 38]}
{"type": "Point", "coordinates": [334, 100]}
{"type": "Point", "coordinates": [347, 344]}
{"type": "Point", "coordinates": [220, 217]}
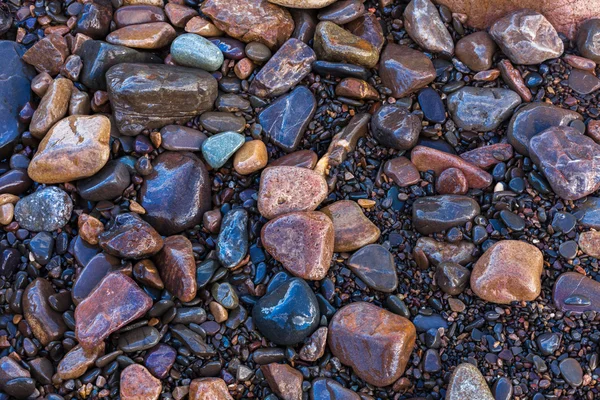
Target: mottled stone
{"type": "Point", "coordinates": [252, 20]}
{"type": "Point", "coordinates": [376, 343]}
{"type": "Point", "coordinates": [159, 360]}
{"type": "Point", "coordinates": [334, 43]}
{"type": "Point", "coordinates": [404, 70]}
{"type": "Point", "coordinates": [147, 96]}
{"type": "Point", "coordinates": [374, 265]}
{"type": "Point", "coordinates": [452, 181]}
{"type": "Point", "coordinates": [302, 241]}
{"type": "Point", "coordinates": [232, 243]}
{"type": "Point", "coordinates": [130, 237]}
{"type": "Point", "coordinates": [179, 14]}
{"type": "Point", "coordinates": [283, 380]}
{"type": "Point", "coordinates": [424, 25]}
{"type": "Point", "coordinates": [352, 228]}
{"type": "Point", "coordinates": [401, 171]}
{"type": "Point", "coordinates": [77, 361]}
{"type": "Point", "coordinates": [481, 109]}
{"type": "Point", "coordinates": [52, 108]}
{"type": "Point", "coordinates": [176, 193]}
{"type": "Point", "coordinates": [45, 210]}
{"type": "Point", "coordinates": [583, 82]}
{"type": "Point", "coordinates": [356, 89]}
{"type": "Point", "coordinates": [467, 382]}
{"type": "Point", "coordinates": [191, 50]}
{"type": "Point", "coordinates": [177, 268]}
{"type": "Point", "coordinates": [589, 243]}
{"type": "Point", "coordinates": [314, 346]}
{"type": "Point", "coordinates": [209, 388]}
{"type": "Point", "coordinates": [203, 27]}
{"type": "Point", "coordinates": [46, 324]}
{"type": "Point", "coordinates": [138, 384]}
{"type": "Point", "coordinates": [153, 35]}
{"type": "Point", "coordinates": [368, 27]}
{"type": "Point", "coordinates": [509, 270]}
{"type": "Point", "coordinates": [251, 157]}
{"type": "Point", "coordinates": [437, 213]}
{"type": "Point", "coordinates": [513, 79]}
{"type": "Point", "coordinates": [218, 121]}
{"type": "Point", "coordinates": [94, 19]}
{"type": "Point", "coordinates": [394, 126]}
{"type": "Point", "coordinates": [303, 3]}
{"type": "Point", "coordinates": [452, 278]}
{"type": "Point", "coordinates": [587, 39]}
{"type": "Point", "coordinates": [569, 160]}
{"type": "Point", "coordinates": [576, 293]}
{"type": "Point", "coordinates": [48, 54]}
{"type": "Point", "coordinates": [476, 51]}
{"type": "Point", "coordinates": [286, 189]}
{"type": "Point", "coordinates": [92, 274]}
{"type": "Point", "coordinates": [76, 147]}
{"type": "Point", "coordinates": [487, 156]}
{"type": "Point", "coordinates": [115, 302]}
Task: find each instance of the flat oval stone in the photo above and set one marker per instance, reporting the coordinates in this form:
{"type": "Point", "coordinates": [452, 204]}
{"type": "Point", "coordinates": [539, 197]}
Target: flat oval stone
{"type": "Point", "coordinates": [76, 147]}
{"type": "Point", "coordinates": [45, 210]}
{"type": "Point", "coordinates": [508, 271]}
{"type": "Point", "coordinates": [395, 127]}
{"type": "Point", "coordinates": [159, 360]}
{"type": "Point", "coordinates": [487, 156]}
{"type": "Point", "coordinates": [130, 237]}
{"type": "Point", "coordinates": [328, 389]}
{"type": "Point", "coordinates": [402, 171]}
{"type": "Point", "coordinates": [476, 51]}
{"type": "Point", "coordinates": [424, 25]}
{"type": "Point", "coordinates": [481, 109]}
{"type": "Point", "coordinates": [432, 105]}
{"type": "Point", "coordinates": [177, 267]}
{"type": "Point", "coordinates": [191, 50]}
{"type": "Point", "coordinates": [181, 138]}
{"type": "Point", "coordinates": [356, 89]}
{"type": "Point", "coordinates": [77, 361]}
{"type": "Point", "coordinates": [114, 303]}
{"type": "Point", "coordinates": [52, 108]}
{"type": "Point", "coordinates": [288, 314]}
{"type": "Point", "coordinates": [467, 382]}
{"type": "Point", "coordinates": [138, 14]}
{"type": "Point", "coordinates": [177, 193]}
{"type": "Point", "coordinates": [209, 388]}
{"type": "Point", "coordinates": [251, 157]}
{"type": "Point", "coordinates": [92, 274]}
{"type": "Point", "coordinates": [232, 243]}
{"type": "Point", "coordinates": [137, 383]}
{"type": "Point", "coordinates": [284, 70]}
{"type": "Point", "coordinates": [15, 181]}
{"type": "Point", "coordinates": [46, 324]}
{"type": "Point", "coordinates": [219, 148]}
{"type": "Point", "coordinates": [583, 82]}
{"type": "Point", "coordinates": [404, 70]}
{"type": "Point", "coordinates": [310, 4]}
{"type": "Point", "coordinates": [142, 338]}
{"type": "Point", "coordinates": [568, 160]}
{"type": "Point", "coordinates": [351, 227]}
{"type": "Point", "coordinates": [19, 388]}
{"type": "Point", "coordinates": [149, 36]}
{"type": "Point", "coordinates": [285, 120]}
{"type": "Point", "coordinates": [11, 369]}
{"type": "Point", "coordinates": [571, 371]}
{"type": "Point", "coordinates": [374, 265]}
{"type": "Point", "coordinates": [342, 70]}
{"type": "Point", "coordinates": [301, 158]}
{"type": "Point", "coordinates": [302, 241]}
{"type": "Point", "coordinates": [532, 119]}
{"type": "Point", "coordinates": [149, 96]}
{"type": "Point", "coordinates": [438, 213]}
{"type": "Point", "coordinates": [576, 293]}
{"type": "Point", "coordinates": [285, 189]}
{"type": "Point", "coordinates": [334, 43]}
{"type": "Point", "coordinates": [106, 184]}
{"type": "Point", "coordinates": [386, 340]}
{"type": "Point", "coordinates": [215, 122]}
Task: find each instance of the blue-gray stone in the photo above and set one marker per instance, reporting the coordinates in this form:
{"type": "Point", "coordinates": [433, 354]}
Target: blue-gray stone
{"type": "Point", "coordinates": [45, 210]}
{"type": "Point", "coordinates": [191, 50]}
{"type": "Point", "coordinates": [218, 148]}
{"type": "Point", "coordinates": [232, 245]}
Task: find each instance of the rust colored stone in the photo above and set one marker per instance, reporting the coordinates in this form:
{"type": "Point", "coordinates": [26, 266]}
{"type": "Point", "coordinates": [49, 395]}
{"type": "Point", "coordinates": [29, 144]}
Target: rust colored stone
{"type": "Point", "coordinates": [244, 68]}
{"type": "Point", "coordinates": [77, 361]}
{"type": "Point", "coordinates": [46, 324]}
{"type": "Point", "coordinates": [369, 28]}
{"type": "Point", "coordinates": [376, 343]}
{"type": "Point", "coordinates": [451, 181]}
{"type": "Point", "coordinates": [580, 62]}
{"type": "Point", "coordinates": [351, 227]}
{"type": "Point", "coordinates": [52, 108]}
{"type": "Point", "coordinates": [301, 158]}
{"type": "Point", "coordinates": [476, 50]}
{"type": "Point", "coordinates": [356, 89]}
{"type": "Point", "coordinates": [487, 156]}
{"type": "Point", "coordinates": [89, 228]}
{"type": "Point", "coordinates": [48, 54]}
{"type": "Point", "coordinates": [40, 83]}
{"type": "Point", "coordinates": [315, 345]}
{"type": "Point", "coordinates": [153, 35]}
{"type": "Point", "coordinates": [177, 267]}
{"type": "Point", "coordinates": [487, 76]}
{"type": "Point", "coordinates": [130, 237]}
{"type": "Point", "coordinates": [146, 272]}
{"type": "Point", "coordinates": [402, 171]}
{"type": "Point", "coordinates": [593, 130]}
{"type": "Point", "coordinates": [512, 77]}
{"type": "Point", "coordinates": [203, 27]}
{"type": "Point", "coordinates": [137, 383]}
{"type": "Point", "coordinates": [209, 388]}
{"type": "Point", "coordinates": [179, 15]}
{"type": "Point", "coordinates": [283, 380]}
{"type": "Point", "coordinates": [589, 243]}
{"type": "Point", "coordinates": [405, 70]}
{"type": "Point", "coordinates": [251, 157]}
{"type": "Point", "coordinates": [115, 302]}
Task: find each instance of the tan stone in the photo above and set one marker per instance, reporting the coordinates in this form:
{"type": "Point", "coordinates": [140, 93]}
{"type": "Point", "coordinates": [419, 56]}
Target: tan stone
{"type": "Point", "coordinates": [89, 228]}
{"type": "Point", "coordinates": [40, 83]}
{"type": "Point", "coordinates": [352, 228]}
{"type": "Point", "coordinates": [251, 157]}
{"type": "Point", "coordinates": [179, 15]}
{"type": "Point", "coordinates": [283, 380]}
{"type": "Point", "coordinates": [157, 3]}
{"type": "Point", "coordinates": [218, 311]}
{"type": "Point", "coordinates": [203, 27]}
{"type": "Point", "coordinates": [7, 212]}
{"type": "Point", "coordinates": [209, 388]}
{"type": "Point", "coordinates": [311, 4]}
{"type": "Point", "coordinates": [52, 108]}
{"type": "Point", "coordinates": [402, 171]}
{"type": "Point", "coordinates": [154, 35]}
{"type": "Point", "coordinates": [9, 198]}
{"type": "Point", "coordinates": [76, 147]}
{"type": "Point", "coordinates": [589, 243]}
{"type": "Point", "coordinates": [137, 383]}
{"type": "Point", "coordinates": [77, 361]}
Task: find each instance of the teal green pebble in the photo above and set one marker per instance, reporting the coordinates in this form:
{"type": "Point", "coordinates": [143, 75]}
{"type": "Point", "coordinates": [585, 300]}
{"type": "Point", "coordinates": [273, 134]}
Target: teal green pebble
{"type": "Point", "coordinates": [191, 50]}
{"type": "Point", "coordinates": [218, 148]}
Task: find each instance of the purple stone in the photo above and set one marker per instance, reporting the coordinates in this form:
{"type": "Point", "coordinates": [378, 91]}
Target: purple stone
{"type": "Point", "coordinates": [159, 360]}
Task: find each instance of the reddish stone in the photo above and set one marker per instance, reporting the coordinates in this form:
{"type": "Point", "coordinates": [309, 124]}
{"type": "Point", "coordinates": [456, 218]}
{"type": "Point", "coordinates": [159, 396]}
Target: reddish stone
{"type": "Point", "coordinates": [203, 27]}
{"type": "Point", "coordinates": [130, 237]}
{"type": "Point", "coordinates": [283, 380]}
{"type": "Point", "coordinates": [89, 228]}
{"type": "Point", "coordinates": [589, 243]}
{"type": "Point", "coordinates": [487, 76]}
{"type": "Point", "coordinates": [179, 15]}
{"type": "Point", "coordinates": [46, 324]}
{"type": "Point", "coordinates": [147, 274]}
{"type": "Point", "coordinates": [77, 361]}
{"type": "Point", "coordinates": [153, 35]}
{"type": "Point", "coordinates": [137, 383]}
{"type": "Point", "coordinates": [426, 159]}
{"type": "Point", "coordinates": [244, 68]}
{"type": "Point", "coordinates": [402, 171]}
{"type": "Point", "coordinates": [405, 70]}
{"type": "Point", "coordinates": [356, 89]}
{"type": "Point", "coordinates": [301, 158]}
{"type": "Point", "coordinates": [209, 388]}
{"type": "Point", "coordinates": [114, 303]}
{"type": "Point", "coordinates": [512, 77]}
{"type": "Point", "coordinates": [580, 62]}
{"type": "Point", "coordinates": [138, 14]}
{"type": "Point", "coordinates": [367, 27]}
{"type": "Point", "coordinates": [314, 348]}
{"type": "Point", "coordinates": [302, 241]}
{"type": "Point", "coordinates": [352, 228]}
{"type": "Point", "coordinates": [476, 50]}
{"type": "Point", "coordinates": [593, 130]}
{"type": "Point", "coordinates": [177, 267]}
{"type": "Point", "coordinates": [451, 181]}
{"type": "Point", "coordinates": [48, 54]}
{"type": "Point", "coordinates": [376, 343]}
{"type": "Point", "coordinates": [10, 369]}
{"type": "Point", "coordinates": [488, 156]}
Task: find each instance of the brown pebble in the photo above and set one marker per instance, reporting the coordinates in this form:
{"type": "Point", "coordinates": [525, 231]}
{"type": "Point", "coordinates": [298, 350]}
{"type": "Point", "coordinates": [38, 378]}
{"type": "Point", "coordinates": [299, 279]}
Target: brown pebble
{"type": "Point", "coordinates": [452, 181]}
{"type": "Point", "coordinates": [89, 228]}
{"type": "Point", "coordinates": [209, 388]}
{"type": "Point", "coordinates": [402, 171]}
{"type": "Point", "coordinates": [137, 383]}
{"type": "Point", "coordinates": [284, 381]}
{"type": "Point", "coordinates": [218, 311]}
{"type": "Point", "coordinates": [203, 27]}
{"type": "Point", "coordinates": [251, 157]}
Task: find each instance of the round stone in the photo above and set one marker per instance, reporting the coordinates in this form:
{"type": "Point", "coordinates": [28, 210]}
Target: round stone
{"type": "Point", "coordinates": [45, 210]}
{"type": "Point", "coordinates": [191, 50]}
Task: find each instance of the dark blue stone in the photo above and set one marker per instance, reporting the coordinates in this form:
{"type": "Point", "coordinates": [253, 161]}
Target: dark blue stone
{"type": "Point", "coordinates": [423, 323]}
{"type": "Point", "coordinates": [432, 105]}
{"type": "Point", "coordinates": [9, 261]}
{"type": "Point", "coordinates": [232, 49]}
{"type": "Point", "coordinates": [41, 246]}
{"type": "Point", "coordinates": [533, 79]}
{"type": "Point", "coordinates": [232, 245]}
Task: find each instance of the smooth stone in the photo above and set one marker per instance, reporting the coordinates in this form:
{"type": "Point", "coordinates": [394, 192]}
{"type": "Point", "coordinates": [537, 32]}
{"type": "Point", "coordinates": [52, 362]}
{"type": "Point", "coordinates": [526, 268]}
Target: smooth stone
{"type": "Point", "coordinates": [329, 389]}
{"type": "Point", "coordinates": [576, 293]}
{"type": "Point", "coordinates": [305, 24]}
{"type": "Point", "coordinates": [48, 54]}
{"type": "Point", "coordinates": [341, 70]}
{"type": "Point", "coordinates": [440, 252]}
{"type": "Point", "coordinates": [231, 102]}
{"type": "Point", "coordinates": [583, 82]}
{"type": "Point", "coordinates": [303, 242]}
{"type": "Point", "coordinates": [177, 193]}
{"type": "Point", "coordinates": [209, 388]}
{"type": "Point", "coordinates": [342, 12]}
{"type": "Point", "coordinates": [191, 50]}
{"type": "Point", "coordinates": [137, 14]}
{"type": "Point", "coordinates": [503, 389]}
{"type": "Point", "coordinates": [225, 295]}
{"type": "Point", "coordinates": [52, 108]}
{"type": "Point", "coordinates": [149, 36]}
{"type": "Point", "coordinates": [179, 14]}
{"type": "Point", "coordinates": [481, 109]}
{"type": "Point", "coordinates": [98, 57]}
{"type": "Point", "coordinates": [284, 381]}
{"type": "Point", "coordinates": [177, 268]}
{"type": "Point", "coordinates": [452, 278]}
{"type": "Point", "coordinates": [334, 43]}
{"type": "Point", "coordinates": [351, 227]}
{"type": "Point", "coordinates": [301, 158]}
{"type": "Point", "coordinates": [46, 324]}
{"type": "Point", "coordinates": [589, 243]}
{"type": "Point", "coordinates": [42, 247]}
{"type": "Point", "coordinates": [395, 127]}
{"type": "Point", "coordinates": [192, 340]}
{"type": "Point", "coordinates": [139, 339]}
{"type": "Point", "coordinates": [181, 138]}
{"type": "Point", "coordinates": [386, 341]}
{"type": "Point", "coordinates": [432, 105]}
{"type": "Point", "coordinates": [19, 388]}
{"type": "Point", "coordinates": [467, 382]}
{"type": "Point", "coordinates": [548, 342]}
{"type": "Point", "coordinates": [251, 157]}
{"type": "Point", "coordinates": [568, 160]}
{"type": "Point", "coordinates": [137, 383]}
{"type": "Point", "coordinates": [77, 361]}
{"type": "Point", "coordinates": [15, 182]}
{"type": "Point", "coordinates": [251, 21]}
{"type": "Point", "coordinates": [534, 118]}
{"type": "Point", "coordinates": [107, 184]}
{"type": "Point", "coordinates": [513, 79]}
{"type": "Point", "coordinates": [232, 49]}
{"type": "Point", "coordinates": [588, 213]}
{"type": "Point", "coordinates": [232, 243]}
{"type": "Point", "coordinates": [314, 346]}
{"type": "Point", "coordinates": [42, 370]}
{"type": "Point", "coordinates": [148, 96]}
{"type": "Point", "coordinates": [288, 314]}
{"type": "Point", "coordinates": [216, 122]}
{"type": "Point", "coordinates": [159, 360]}
{"type": "Point", "coordinates": [130, 237]}
{"type": "Point", "coordinates": [116, 301]}
{"type": "Point", "coordinates": [288, 66]}
{"type": "Point", "coordinates": [147, 274]}
{"type": "Point", "coordinates": [203, 27]}
{"type": "Point", "coordinates": [94, 19]}
{"type": "Point", "coordinates": [9, 261]}
{"type": "Point", "coordinates": [92, 274]}
{"type": "Point", "coordinates": [375, 266]}
{"type": "Point", "coordinates": [79, 103]}
{"type": "Point", "coordinates": [526, 37]}
{"type": "Point", "coordinates": [401, 171]}
{"type": "Point", "coordinates": [438, 213]}
{"type": "Point", "coordinates": [48, 209]}
{"type": "Point", "coordinates": [571, 371]}
{"type": "Point", "coordinates": [424, 25]}
{"type": "Point", "coordinates": [508, 271]}
{"type": "Point", "coordinates": [404, 70]}
{"type": "Point", "coordinates": [219, 148]}
{"type": "Point", "coordinates": [368, 27]}
{"type": "Point", "coordinates": [285, 189]}
{"type": "Point", "coordinates": [487, 156]}
{"type": "Point", "coordinates": [587, 42]}
{"type": "Point", "coordinates": [285, 120]}
{"type": "Point", "coordinates": [310, 4]}
{"type": "Point", "coordinates": [11, 369]}
{"type": "Point", "coordinates": [452, 181]}
{"type": "Point", "coordinates": [476, 51]}
{"type": "Point", "coordinates": [356, 89]}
